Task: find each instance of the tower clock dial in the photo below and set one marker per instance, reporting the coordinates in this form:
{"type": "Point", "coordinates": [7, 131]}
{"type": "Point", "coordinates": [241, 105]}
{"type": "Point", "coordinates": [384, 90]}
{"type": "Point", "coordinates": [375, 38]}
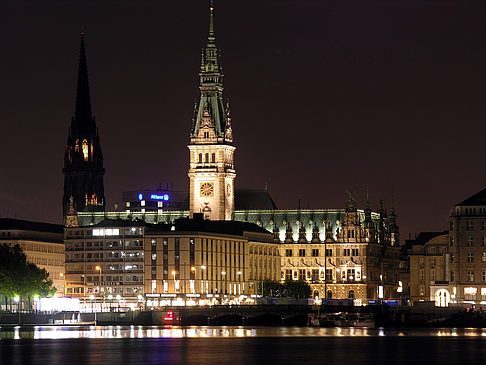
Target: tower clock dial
{"type": "Point", "coordinates": [206, 189]}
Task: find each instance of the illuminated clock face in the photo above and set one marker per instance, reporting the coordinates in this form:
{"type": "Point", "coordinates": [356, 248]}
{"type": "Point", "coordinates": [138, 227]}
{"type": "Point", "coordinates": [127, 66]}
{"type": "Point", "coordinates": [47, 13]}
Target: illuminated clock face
{"type": "Point", "coordinates": [207, 189]}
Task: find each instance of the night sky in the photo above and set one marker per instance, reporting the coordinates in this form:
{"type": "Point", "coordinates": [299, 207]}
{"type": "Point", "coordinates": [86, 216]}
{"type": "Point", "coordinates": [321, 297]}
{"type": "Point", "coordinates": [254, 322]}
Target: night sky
{"type": "Point", "coordinates": [326, 97]}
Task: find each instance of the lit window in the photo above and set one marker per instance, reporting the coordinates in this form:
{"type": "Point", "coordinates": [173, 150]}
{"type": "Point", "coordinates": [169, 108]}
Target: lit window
{"type": "Point", "coordinates": [85, 150]}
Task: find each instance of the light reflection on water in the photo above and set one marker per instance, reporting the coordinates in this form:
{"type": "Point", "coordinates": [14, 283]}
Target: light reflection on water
{"type": "Point", "coordinates": [110, 332]}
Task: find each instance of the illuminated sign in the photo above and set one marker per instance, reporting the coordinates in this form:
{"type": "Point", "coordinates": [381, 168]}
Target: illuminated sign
{"type": "Point", "coordinates": [164, 197]}
{"type": "Point", "coordinates": [140, 197]}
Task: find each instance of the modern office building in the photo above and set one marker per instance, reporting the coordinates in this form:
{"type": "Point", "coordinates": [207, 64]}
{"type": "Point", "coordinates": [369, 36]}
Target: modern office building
{"type": "Point", "coordinates": [105, 261]}
{"type": "Point", "coordinates": [42, 243]}
{"type": "Point", "coordinates": [157, 200]}
{"type": "Point", "coordinates": [208, 259]}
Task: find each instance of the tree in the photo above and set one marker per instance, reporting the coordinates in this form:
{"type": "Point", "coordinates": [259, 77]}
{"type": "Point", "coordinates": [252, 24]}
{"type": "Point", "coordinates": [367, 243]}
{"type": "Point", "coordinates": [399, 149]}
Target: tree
{"type": "Point", "coordinates": [290, 288]}
{"type": "Point", "coordinates": [297, 289]}
{"type": "Point", "coordinates": [272, 289]}
{"type": "Point", "coordinates": [21, 278]}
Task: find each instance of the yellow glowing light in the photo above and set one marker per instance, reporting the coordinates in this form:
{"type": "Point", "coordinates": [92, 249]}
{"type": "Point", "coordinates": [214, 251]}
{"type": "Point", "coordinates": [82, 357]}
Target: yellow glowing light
{"type": "Point", "coordinates": [98, 268]}
{"type": "Point", "coordinates": [85, 149]}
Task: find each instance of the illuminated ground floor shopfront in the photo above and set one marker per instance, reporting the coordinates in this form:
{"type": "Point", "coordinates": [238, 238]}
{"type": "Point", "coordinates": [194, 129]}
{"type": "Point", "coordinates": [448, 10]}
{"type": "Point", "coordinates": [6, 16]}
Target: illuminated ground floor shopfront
{"type": "Point", "coordinates": [470, 294]}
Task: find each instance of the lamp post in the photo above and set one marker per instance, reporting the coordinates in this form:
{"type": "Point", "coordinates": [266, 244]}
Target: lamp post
{"type": "Point", "coordinates": [203, 268]}
{"type": "Point", "coordinates": [174, 274]}
{"type": "Point", "coordinates": [239, 282]}
{"type": "Point", "coordinates": [61, 274]}
{"type": "Point", "coordinates": [193, 289]}
{"type": "Point", "coordinates": [98, 268]}
{"type": "Point", "coordinates": [223, 274]}
{"type": "Point", "coordinates": [84, 286]}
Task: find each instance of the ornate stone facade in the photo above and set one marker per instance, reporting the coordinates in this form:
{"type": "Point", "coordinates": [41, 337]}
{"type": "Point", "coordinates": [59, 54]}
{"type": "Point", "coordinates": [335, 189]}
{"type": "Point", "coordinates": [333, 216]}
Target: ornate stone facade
{"type": "Point", "coordinates": [211, 151]}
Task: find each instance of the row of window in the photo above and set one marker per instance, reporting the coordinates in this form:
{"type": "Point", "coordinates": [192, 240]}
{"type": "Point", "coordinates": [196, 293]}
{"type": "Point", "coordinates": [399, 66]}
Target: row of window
{"type": "Point", "coordinates": [470, 225]}
{"type": "Point", "coordinates": [114, 279]}
{"type": "Point", "coordinates": [206, 157]}
{"type": "Point", "coordinates": [469, 241]}
{"type": "Point", "coordinates": [315, 252]}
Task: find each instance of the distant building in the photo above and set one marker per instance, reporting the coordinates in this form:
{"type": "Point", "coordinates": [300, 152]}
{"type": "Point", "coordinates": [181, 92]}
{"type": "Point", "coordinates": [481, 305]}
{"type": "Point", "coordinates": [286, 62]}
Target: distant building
{"type": "Point", "coordinates": [42, 243]}
{"type": "Point", "coordinates": [196, 256]}
{"type": "Point", "coordinates": [467, 247]}
{"type": "Point", "coordinates": [430, 268]}
{"type": "Point", "coordinates": [127, 259]}
{"type": "Point", "coordinates": [104, 261]}
{"type": "Point", "coordinates": [157, 200]}
{"type": "Point", "coordinates": [358, 262]}
{"type": "Point", "coordinates": [83, 160]}
{"type": "Point", "coordinates": [212, 192]}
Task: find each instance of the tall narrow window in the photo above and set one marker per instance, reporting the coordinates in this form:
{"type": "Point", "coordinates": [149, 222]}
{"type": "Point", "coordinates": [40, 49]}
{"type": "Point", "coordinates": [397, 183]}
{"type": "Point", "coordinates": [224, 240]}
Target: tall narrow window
{"type": "Point", "coordinates": [85, 150]}
{"type": "Point", "coordinates": [213, 158]}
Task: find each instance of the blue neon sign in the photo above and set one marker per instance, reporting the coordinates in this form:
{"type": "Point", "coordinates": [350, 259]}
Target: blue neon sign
{"type": "Point", "coordinates": [140, 196]}
{"type": "Point", "coordinates": [164, 197]}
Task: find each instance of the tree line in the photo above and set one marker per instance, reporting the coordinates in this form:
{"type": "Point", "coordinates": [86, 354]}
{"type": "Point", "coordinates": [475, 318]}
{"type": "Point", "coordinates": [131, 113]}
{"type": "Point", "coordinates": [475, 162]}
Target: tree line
{"type": "Point", "coordinates": [20, 278]}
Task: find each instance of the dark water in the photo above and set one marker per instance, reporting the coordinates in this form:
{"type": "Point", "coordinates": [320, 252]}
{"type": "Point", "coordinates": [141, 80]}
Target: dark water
{"type": "Point", "coordinates": [240, 345]}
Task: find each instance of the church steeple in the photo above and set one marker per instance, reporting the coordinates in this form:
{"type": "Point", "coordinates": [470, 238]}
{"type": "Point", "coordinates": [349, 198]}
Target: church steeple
{"type": "Point", "coordinates": [83, 160]}
{"type": "Point", "coordinates": [83, 117]}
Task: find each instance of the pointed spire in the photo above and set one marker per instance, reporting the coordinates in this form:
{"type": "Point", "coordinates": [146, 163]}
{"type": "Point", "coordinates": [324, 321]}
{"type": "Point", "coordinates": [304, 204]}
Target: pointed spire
{"type": "Point", "coordinates": [211, 37]}
{"type": "Point", "coordinates": [82, 114]}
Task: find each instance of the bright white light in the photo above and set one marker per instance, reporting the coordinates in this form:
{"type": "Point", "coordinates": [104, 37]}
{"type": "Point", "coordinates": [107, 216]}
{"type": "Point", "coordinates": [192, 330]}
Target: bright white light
{"type": "Point", "coordinates": [16, 299]}
{"type": "Point", "coordinates": [58, 304]}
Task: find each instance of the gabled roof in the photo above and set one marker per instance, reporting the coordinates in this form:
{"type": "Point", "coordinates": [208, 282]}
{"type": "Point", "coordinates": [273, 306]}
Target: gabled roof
{"type": "Point", "coordinates": [246, 199]}
{"type": "Point", "coordinates": [476, 199]}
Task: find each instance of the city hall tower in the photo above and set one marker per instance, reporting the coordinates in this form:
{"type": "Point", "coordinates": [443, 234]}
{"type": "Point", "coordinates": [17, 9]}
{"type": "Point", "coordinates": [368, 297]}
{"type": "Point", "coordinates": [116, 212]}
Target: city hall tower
{"type": "Point", "coordinates": [211, 162]}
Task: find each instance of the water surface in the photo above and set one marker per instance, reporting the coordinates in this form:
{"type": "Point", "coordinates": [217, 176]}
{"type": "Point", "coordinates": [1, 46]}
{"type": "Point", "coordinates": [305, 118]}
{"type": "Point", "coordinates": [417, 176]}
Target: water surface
{"type": "Point", "coordinates": [239, 345]}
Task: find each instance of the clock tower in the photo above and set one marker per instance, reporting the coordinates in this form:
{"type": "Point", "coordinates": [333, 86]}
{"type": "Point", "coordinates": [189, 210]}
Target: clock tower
{"type": "Point", "coordinates": [211, 151]}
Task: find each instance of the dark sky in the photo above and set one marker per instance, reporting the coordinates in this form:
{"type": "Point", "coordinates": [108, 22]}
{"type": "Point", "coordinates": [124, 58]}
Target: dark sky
{"type": "Point", "coordinates": [327, 96]}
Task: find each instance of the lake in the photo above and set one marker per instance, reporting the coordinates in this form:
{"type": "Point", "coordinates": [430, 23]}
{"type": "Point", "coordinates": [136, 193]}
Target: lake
{"type": "Point", "coordinates": [75, 345]}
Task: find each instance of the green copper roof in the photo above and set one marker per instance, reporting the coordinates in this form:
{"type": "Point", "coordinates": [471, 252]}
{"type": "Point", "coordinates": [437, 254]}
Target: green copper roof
{"type": "Point", "coordinates": [211, 85]}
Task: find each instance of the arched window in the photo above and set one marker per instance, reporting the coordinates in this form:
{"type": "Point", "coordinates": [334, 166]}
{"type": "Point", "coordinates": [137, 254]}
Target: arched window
{"type": "Point", "coordinates": [213, 158]}
{"type": "Point", "coordinates": [200, 158]}
{"type": "Point", "coordinates": [329, 294]}
{"type": "Point", "coordinates": [315, 294]}
{"type": "Point", "coordinates": [85, 150]}
{"type": "Point", "coordinates": [351, 294]}
{"type": "Point", "coordinates": [206, 158]}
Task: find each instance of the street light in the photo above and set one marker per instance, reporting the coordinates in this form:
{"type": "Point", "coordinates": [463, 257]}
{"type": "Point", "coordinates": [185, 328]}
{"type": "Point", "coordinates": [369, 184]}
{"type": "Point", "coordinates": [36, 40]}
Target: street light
{"type": "Point", "coordinates": [223, 273]}
{"type": "Point", "coordinates": [61, 274]}
{"type": "Point", "coordinates": [98, 268]}
{"type": "Point", "coordinates": [193, 288]}
{"type": "Point", "coordinates": [239, 282]}
{"type": "Point", "coordinates": [203, 267]}
{"type": "Point", "coordinates": [174, 274]}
